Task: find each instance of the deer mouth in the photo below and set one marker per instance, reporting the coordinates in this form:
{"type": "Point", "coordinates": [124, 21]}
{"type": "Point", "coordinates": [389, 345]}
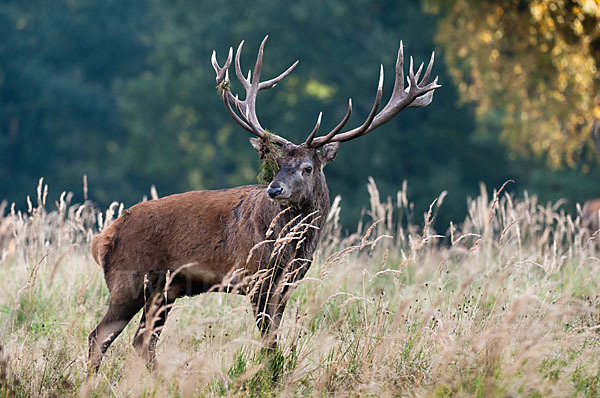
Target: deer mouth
{"type": "Point", "coordinates": [280, 199]}
{"type": "Point", "coordinates": [283, 201]}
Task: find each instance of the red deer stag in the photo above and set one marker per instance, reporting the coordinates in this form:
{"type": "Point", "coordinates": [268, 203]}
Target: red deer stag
{"type": "Point", "coordinates": [193, 242]}
{"type": "Point", "coordinates": [591, 208]}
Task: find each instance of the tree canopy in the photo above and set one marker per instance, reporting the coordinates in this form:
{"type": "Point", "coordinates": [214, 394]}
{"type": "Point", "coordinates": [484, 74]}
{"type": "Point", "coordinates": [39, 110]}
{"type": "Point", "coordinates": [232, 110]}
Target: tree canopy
{"type": "Point", "coordinates": [125, 94]}
{"type": "Point", "coordinates": [533, 64]}
{"type": "Point", "coordinates": [59, 64]}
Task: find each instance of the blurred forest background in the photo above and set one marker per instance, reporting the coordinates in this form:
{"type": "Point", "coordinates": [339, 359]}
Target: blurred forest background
{"type": "Point", "coordinates": [123, 92]}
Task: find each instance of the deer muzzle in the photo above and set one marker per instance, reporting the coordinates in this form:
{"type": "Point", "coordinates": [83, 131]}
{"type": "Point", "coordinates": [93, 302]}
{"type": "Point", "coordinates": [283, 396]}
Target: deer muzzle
{"type": "Point", "coordinates": [274, 191]}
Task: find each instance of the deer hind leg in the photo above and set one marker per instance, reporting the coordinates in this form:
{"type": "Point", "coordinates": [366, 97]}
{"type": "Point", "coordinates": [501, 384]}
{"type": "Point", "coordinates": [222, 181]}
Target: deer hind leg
{"type": "Point", "coordinates": [156, 309]}
{"type": "Point", "coordinates": [116, 318]}
{"type": "Point", "coordinates": [149, 329]}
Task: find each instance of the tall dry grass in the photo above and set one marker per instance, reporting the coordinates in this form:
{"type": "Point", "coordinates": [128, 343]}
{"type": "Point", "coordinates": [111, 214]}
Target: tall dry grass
{"type": "Point", "coordinates": [503, 303]}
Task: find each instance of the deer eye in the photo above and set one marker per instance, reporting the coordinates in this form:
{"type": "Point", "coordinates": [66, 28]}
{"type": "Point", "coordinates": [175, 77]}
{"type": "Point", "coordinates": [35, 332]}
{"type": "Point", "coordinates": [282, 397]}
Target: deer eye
{"type": "Point", "coordinates": [308, 169]}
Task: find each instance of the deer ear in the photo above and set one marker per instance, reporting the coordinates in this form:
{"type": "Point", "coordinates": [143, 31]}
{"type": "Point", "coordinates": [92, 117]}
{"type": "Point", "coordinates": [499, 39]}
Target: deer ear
{"type": "Point", "coordinates": [328, 152]}
{"type": "Point", "coordinates": [259, 146]}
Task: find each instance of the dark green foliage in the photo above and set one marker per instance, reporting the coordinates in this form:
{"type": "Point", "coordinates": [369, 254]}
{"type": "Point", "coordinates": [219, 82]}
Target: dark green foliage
{"type": "Point", "coordinates": [124, 92]}
{"type": "Point", "coordinates": [60, 62]}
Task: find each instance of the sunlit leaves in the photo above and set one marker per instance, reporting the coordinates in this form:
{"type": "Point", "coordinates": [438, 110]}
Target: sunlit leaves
{"type": "Point", "coordinates": [535, 62]}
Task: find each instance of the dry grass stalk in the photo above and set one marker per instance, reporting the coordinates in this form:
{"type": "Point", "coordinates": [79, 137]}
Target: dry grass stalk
{"type": "Point", "coordinates": [508, 307]}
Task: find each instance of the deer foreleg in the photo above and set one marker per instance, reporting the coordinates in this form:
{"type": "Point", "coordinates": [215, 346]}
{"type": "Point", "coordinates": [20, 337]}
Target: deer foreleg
{"type": "Point", "coordinates": [270, 299]}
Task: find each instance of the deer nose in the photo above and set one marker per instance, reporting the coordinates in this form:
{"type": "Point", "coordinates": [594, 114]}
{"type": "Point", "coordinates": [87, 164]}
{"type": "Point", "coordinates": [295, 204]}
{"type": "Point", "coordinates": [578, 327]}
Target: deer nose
{"type": "Point", "coordinates": [274, 192]}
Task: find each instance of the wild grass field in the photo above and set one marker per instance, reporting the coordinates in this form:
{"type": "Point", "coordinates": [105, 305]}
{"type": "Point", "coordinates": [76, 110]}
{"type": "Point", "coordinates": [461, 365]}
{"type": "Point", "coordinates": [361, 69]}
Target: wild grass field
{"type": "Point", "coordinates": [503, 303]}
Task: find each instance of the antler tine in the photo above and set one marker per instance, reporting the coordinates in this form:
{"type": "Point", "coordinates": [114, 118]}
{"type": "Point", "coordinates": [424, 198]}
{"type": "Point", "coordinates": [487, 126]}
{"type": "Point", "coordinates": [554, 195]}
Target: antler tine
{"type": "Point", "coordinates": [324, 140]}
{"type": "Point", "coordinates": [312, 135]}
{"type": "Point", "coordinates": [273, 82]}
{"type": "Point", "coordinates": [238, 70]}
{"type": "Point", "coordinates": [418, 74]}
{"type": "Point", "coordinates": [411, 75]}
{"type": "Point", "coordinates": [221, 72]}
{"type": "Point", "coordinates": [399, 81]}
{"type": "Point", "coordinates": [258, 65]}
{"type": "Point", "coordinates": [429, 67]}
{"type": "Point", "coordinates": [254, 83]}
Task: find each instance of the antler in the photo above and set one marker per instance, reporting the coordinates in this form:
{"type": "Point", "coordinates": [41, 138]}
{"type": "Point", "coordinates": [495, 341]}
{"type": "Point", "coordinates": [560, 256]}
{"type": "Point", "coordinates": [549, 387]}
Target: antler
{"type": "Point", "coordinates": [418, 93]}
{"type": "Point", "coordinates": [244, 112]}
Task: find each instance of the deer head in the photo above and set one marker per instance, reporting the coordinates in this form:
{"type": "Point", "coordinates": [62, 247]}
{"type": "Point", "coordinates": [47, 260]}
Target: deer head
{"type": "Point", "coordinates": [300, 167]}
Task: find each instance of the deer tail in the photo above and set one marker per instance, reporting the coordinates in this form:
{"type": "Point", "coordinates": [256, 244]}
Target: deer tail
{"type": "Point", "coordinates": [100, 246]}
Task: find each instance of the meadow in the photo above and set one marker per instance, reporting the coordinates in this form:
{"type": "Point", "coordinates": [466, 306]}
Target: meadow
{"type": "Point", "coordinates": [502, 303]}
